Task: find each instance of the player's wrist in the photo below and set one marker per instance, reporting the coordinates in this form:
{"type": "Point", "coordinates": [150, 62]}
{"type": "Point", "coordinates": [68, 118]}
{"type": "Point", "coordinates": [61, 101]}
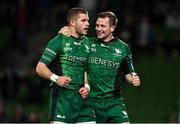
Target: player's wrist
{"type": "Point", "coordinates": [54, 78]}
{"type": "Point", "coordinates": [87, 86]}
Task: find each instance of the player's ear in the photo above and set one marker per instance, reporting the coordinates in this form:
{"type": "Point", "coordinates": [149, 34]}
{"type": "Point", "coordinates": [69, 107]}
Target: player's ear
{"type": "Point", "coordinates": [72, 22]}
{"type": "Point", "coordinates": [113, 28]}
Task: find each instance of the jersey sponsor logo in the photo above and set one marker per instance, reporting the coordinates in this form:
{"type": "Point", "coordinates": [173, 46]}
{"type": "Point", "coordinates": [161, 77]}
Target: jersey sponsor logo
{"type": "Point", "coordinates": [46, 58]}
{"type": "Point", "coordinates": [50, 51]}
{"type": "Point", "coordinates": [77, 43]}
{"type": "Point", "coordinates": [104, 45]}
{"type": "Point", "coordinates": [104, 62]}
{"type": "Point", "coordinates": [68, 44]}
{"type": "Point", "coordinates": [75, 58]}
{"type": "Point", "coordinates": [67, 49]}
{"type": "Point", "coordinates": [61, 116]}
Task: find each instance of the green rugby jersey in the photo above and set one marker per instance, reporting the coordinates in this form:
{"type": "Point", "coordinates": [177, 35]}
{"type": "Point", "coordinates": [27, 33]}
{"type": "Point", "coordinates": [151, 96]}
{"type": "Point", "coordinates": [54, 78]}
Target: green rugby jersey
{"type": "Point", "coordinates": [108, 62]}
{"type": "Point", "coordinates": [68, 56]}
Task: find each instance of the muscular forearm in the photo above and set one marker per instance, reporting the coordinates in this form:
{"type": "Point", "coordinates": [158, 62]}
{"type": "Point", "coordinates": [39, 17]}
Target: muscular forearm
{"type": "Point", "coordinates": [43, 71]}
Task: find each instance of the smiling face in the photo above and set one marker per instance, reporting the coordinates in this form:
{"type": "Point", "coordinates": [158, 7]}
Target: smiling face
{"type": "Point", "coordinates": [104, 29]}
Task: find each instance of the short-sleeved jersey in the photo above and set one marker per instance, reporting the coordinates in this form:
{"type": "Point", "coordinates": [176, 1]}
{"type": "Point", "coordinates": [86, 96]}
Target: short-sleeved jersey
{"type": "Point", "coordinates": [108, 62]}
{"type": "Point", "coordinates": [68, 56]}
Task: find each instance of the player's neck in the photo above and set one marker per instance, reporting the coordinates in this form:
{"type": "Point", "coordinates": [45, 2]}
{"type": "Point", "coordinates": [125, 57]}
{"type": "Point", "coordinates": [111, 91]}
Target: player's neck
{"type": "Point", "coordinates": [109, 38]}
{"type": "Point", "coordinates": [73, 32]}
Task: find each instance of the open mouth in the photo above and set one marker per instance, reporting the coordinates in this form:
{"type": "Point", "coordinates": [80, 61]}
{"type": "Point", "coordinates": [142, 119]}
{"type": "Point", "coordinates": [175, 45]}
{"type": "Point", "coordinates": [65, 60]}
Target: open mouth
{"type": "Point", "coordinates": [86, 29]}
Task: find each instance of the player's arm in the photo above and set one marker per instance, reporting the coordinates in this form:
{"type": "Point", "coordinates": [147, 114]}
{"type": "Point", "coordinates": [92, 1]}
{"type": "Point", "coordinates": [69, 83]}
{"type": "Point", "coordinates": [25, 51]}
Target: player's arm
{"type": "Point", "coordinates": [44, 72]}
{"type": "Point", "coordinates": [127, 66]}
{"type": "Point", "coordinates": [65, 31]}
{"type": "Point", "coordinates": [84, 91]}
{"type": "Point", "coordinates": [50, 53]}
{"type": "Point", "coordinates": [86, 82]}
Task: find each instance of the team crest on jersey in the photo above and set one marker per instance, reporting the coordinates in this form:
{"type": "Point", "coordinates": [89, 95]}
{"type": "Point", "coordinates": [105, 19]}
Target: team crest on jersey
{"type": "Point", "coordinates": [117, 52]}
{"type": "Point", "coordinates": [93, 45]}
{"type": "Point", "coordinates": [93, 49]}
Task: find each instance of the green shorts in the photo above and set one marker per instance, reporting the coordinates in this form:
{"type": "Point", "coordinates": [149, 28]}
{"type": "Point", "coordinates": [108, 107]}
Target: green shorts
{"type": "Point", "coordinates": [109, 111]}
{"type": "Point", "coordinates": [68, 106]}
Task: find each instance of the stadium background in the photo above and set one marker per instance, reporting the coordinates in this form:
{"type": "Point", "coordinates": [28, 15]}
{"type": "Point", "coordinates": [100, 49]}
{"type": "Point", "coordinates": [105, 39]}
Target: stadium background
{"type": "Point", "coordinates": [27, 25]}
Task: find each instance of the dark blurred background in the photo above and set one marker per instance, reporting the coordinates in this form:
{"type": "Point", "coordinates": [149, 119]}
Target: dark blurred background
{"type": "Point", "coordinates": [151, 28]}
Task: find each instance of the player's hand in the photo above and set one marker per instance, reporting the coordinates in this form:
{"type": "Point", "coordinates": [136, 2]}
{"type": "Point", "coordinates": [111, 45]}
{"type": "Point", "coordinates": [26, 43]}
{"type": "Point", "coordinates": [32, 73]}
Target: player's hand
{"type": "Point", "coordinates": [63, 81]}
{"type": "Point", "coordinates": [83, 91]}
{"type": "Point", "coordinates": [135, 80]}
{"type": "Point", "coordinates": [65, 31]}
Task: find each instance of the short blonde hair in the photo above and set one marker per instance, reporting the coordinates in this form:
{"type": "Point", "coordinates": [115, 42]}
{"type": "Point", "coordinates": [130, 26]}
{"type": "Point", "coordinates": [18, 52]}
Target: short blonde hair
{"type": "Point", "coordinates": [112, 17]}
{"type": "Point", "coordinates": [74, 12]}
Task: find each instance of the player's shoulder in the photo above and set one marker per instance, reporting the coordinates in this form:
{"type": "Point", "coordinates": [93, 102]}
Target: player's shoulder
{"type": "Point", "coordinates": [85, 38]}
{"type": "Point", "coordinates": [58, 37]}
{"type": "Point", "coordinates": [54, 39]}
{"type": "Point", "coordinates": [121, 42]}
{"type": "Point", "coordinates": [58, 40]}
{"type": "Point", "coordinates": [61, 36]}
